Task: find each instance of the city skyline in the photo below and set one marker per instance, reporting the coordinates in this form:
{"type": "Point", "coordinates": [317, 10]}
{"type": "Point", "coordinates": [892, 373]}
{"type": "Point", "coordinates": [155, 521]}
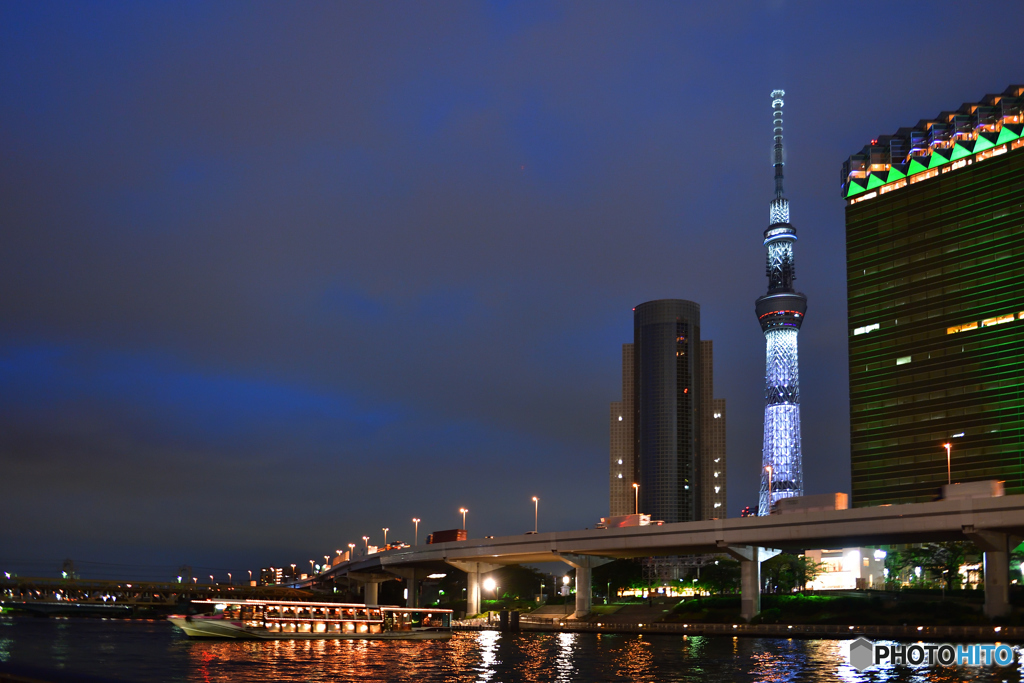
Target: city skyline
{"type": "Point", "coordinates": [281, 266]}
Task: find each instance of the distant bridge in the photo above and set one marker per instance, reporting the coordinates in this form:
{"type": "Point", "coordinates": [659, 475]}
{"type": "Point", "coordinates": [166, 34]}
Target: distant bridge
{"type": "Point", "coordinates": [991, 523]}
{"type": "Point", "coordinates": [77, 596]}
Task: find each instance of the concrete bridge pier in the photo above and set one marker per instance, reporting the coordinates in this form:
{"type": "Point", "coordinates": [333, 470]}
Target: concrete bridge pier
{"type": "Point", "coordinates": [583, 564]}
{"type": "Point", "coordinates": [996, 546]}
{"type": "Point", "coordinates": [412, 575]}
{"type": "Point", "coordinates": [370, 583]}
{"type": "Point", "coordinates": [750, 557]}
{"type": "Point", "coordinates": [473, 571]}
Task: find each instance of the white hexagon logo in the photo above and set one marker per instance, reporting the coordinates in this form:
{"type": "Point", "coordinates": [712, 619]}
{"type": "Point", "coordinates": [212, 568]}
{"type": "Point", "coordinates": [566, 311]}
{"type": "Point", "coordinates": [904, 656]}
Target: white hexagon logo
{"type": "Point", "coordinates": [861, 654]}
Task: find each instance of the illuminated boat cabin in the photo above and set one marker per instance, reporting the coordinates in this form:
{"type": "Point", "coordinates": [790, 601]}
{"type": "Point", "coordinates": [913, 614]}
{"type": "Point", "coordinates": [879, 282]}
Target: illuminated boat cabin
{"type": "Point", "coordinates": [327, 617]}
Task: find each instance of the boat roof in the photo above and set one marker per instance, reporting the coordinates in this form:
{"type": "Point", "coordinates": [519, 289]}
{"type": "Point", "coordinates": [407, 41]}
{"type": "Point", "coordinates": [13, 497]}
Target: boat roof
{"type": "Point", "coordinates": [306, 603]}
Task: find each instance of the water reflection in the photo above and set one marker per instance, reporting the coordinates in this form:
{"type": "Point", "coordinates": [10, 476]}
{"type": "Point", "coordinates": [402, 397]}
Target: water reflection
{"type": "Point", "coordinates": [634, 658]}
{"type": "Point", "coordinates": [490, 656]}
{"type": "Point", "coordinates": [157, 652]}
{"type": "Point", "coordinates": [563, 661]}
{"type": "Point", "coordinates": [780, 660]}
{"type": "Point", "coordinates": [488, 644]}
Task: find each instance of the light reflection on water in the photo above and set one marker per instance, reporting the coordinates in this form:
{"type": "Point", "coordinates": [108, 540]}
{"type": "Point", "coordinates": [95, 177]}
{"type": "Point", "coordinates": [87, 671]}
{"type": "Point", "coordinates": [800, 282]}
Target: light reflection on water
{"type": "Point", "coordinates": [155, 651]}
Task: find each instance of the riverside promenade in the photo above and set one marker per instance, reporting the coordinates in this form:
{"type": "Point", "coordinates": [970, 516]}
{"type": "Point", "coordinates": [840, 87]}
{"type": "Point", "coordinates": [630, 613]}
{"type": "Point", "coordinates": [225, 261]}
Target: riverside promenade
{"type": "Point", "coordinates": [976, 633]}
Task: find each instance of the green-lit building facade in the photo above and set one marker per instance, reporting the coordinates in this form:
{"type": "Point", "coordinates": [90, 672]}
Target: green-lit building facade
{"type": "Point", "coordinates": [935, 278]}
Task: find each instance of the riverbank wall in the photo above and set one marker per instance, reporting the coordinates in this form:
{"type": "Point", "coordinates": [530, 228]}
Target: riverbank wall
{"type": "Point", "coordinates": [909, 632]}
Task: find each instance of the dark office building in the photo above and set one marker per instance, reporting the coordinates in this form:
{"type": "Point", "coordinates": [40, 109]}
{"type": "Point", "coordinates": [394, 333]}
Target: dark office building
{"type": "Point", "coordinates": [656, 430]}
{"type": "Point", "coordinates": [935, 277]}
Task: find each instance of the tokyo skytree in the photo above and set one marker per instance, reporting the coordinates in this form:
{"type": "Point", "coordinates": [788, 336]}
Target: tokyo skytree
{"type": "Point", "coordinates": [780, 312]}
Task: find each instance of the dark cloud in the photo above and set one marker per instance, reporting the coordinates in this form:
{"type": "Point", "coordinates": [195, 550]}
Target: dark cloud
{"type": "Point", "coordinates": [274, 278]}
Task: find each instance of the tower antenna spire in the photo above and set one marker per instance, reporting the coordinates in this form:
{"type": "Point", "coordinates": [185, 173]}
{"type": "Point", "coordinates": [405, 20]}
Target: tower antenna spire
{"type": "Point", "coordinates": [778, 161]}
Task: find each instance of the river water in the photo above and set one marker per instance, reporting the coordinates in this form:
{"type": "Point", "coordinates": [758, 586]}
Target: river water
{"type": "Point", "coordinates": [129, 650]}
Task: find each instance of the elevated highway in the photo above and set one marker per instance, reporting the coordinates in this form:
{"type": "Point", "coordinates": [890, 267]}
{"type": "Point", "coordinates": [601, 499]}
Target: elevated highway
{"type": "Point", "coordinates": [991, 523]}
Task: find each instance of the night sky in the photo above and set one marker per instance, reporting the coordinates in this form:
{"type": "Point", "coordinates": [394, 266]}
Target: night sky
{"type": "Point", "coordinates": [274, 276]}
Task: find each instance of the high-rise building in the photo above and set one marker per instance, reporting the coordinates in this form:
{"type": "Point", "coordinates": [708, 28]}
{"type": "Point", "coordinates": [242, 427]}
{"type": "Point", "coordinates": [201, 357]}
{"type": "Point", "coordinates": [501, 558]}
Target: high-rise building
{"type": "Point", "coordinates": [666, 347]}
{"type": "Point", "coordinates": [712, 439]}
{"type": "Point", "coordinates": [668, 432]}
{"type": "Point", "coordinates": [622, 469]}
{"type": "Point", "coordinates": [935, 278]}
{"type": "Point", "coordinates": [780, 312]}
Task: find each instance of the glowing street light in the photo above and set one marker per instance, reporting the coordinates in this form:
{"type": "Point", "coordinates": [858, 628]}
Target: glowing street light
{"type": "Point", "coordinates": [949, 471]}
{"type": "Point", "coordinates": [250, 576]}
{"type": "Point", "coordinates": [351, 551]}
{"type": "Point", "coordinates": [463, 511]}
{"type": "Point", "coordinates": [636, 499]}
{"type": "Point", "coordinates": [339, 552]}
{"type": "Point", "coordinates": [211, 579]}
{"type": "Point", "coordinates": [535, 514]}
{"type": "Point", "coordinates": [489, 584]}
{"type": "Point", "coordinates": [312, 567]}
{"type": "Point", "coordinates": [416, 534]}
{"type": "Point", "coordinates": [366, 542]}
{"type": "Point", "coordinates": [769, 469]}
{"type": "Point", "coordinates": [230, 582]}
{"type": "Point", "coordinates": [385, 530]}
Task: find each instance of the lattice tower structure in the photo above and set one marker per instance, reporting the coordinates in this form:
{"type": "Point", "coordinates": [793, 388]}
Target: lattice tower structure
{"type": "Point", "coordinates": [780, 312]}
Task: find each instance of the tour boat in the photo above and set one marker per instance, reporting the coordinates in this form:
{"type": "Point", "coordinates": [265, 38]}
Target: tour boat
{"type": "Point", "coordinates": [292, 620]}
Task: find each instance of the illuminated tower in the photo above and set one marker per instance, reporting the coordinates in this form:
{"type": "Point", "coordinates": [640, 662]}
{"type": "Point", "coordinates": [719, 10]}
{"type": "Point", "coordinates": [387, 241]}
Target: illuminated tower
{"type": "Point", "coordinates": [780, 311]}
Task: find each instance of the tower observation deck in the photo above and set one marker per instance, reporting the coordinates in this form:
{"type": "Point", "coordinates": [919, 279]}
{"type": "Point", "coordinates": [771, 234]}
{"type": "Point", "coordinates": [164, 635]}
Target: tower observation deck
{"type": "Point", "coordinates": [780, 312]}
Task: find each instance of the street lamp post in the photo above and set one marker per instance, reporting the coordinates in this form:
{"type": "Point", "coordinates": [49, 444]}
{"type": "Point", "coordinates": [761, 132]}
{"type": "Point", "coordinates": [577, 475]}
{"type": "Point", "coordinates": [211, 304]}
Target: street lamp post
{"type": "Point", "coordinates": [250, 577]}
{"type": "Point", "coordinates": [312, 567]}
{"type": "Point", "coordinates": [385, 530]}
{"type": "Point", "coordinates": [949, 471]}
{"type": "Point", "coordinates": [769, 468]}
{"type": "Point", "coordinates": [351, 551]}
{"type": "Point", "coordinates": [366, 542]}
{"type": "Point", "coordinates": [416, 533]}
{"type": "Point", "coordinates": [535, 514]}
{"type": "Point", "coordinates": [230, 582]}
{"type": "Point", "coordinates": [463, 511]}
{"type": "Point", "coordinates": [636, 499]}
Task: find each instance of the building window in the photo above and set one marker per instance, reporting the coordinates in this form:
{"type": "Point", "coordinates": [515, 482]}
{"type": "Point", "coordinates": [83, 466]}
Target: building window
{"type": "Point", "coordinates": [903, 360]}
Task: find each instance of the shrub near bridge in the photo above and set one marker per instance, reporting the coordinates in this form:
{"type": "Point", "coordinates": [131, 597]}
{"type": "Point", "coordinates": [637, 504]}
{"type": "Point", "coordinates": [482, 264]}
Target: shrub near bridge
{"type": "Point", "coordinates": [820, 609]}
